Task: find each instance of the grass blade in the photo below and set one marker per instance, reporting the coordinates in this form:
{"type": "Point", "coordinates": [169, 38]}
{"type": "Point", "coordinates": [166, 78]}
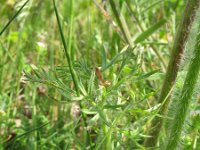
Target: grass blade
{"type": "Point", "coordinates": [144, 35]}
{"type": "Point", "coordinates": [122, 24]}
{"type": "Point", "coordinates": [73, 74]}
{"type": "Point", "coordinates": [9, 22]}
{"type": "Point", "coordinates": [23, 134]}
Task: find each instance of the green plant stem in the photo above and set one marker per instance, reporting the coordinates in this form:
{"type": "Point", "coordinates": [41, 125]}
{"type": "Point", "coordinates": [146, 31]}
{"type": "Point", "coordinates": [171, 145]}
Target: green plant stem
{"type": "Point", "coordinates": [71, 29]}
{"type": "Point", "coordinates": [9, 22]}
{"type": "Point", "coordinates": [13, 141]}
{"type": "Point", "coordinates": [122, 24]}
{"type": "Point", "coordinates": [172, 70]}
{"type": "Point", "coordinates": [185, 97]}
{"type": "Point", "coordinates": [34, 119]}
{"type": "Point", "coordinates": [73, 73]}
{"type": "Point", "coordinates": [108, 143]}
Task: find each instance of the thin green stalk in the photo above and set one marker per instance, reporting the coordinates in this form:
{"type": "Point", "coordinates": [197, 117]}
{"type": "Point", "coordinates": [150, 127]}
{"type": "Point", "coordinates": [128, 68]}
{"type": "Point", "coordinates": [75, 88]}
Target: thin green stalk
{"type": "Point", "coordinates": [141, 29]}
{"type": "Point", "coordinates": [109, 20]}
{"type": "Point", "coordinates": [12, 142]}
{"type": "Point", "coordinates": [71, 29]}
{"type": "Point", "coordinates": [1, 73]}
{"type": "Point", "coordinates": [90, 29]}
{"type": "Point", "coordinates": [73, 73]}
{"type": "Point", "coordinates": [108, 142]}
{"type": "Point", "coordinates": [185, 97]}
{"type": "Point", "coordinates": [9, 22]}
{"type": "Point", "coordinates": [172, 70]}
{"type": "Point", "coordinates": [122, 24]}
{"type": "Point", "coordinates": [34, 119]}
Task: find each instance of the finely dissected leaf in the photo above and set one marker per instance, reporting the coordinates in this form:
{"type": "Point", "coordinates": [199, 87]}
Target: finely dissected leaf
{"type": "Point", "coordinates": [73, 74]}
{"type": "Point", "coordinates": [71, 68]}
{"type": "Point", "coordinates": [21, 135]}
{"type": "Point", "coordinates": [41, 76]}
{"type": "Point", "coordinates": [113, 124]}
{"type": "Point", "coordinates": [115, 116]}
{"type": "Point", "coordinates": [150, 31]}
{"type": "Point", "coordinates": [132, 79]}
{"type": "Point", "coordinates": [115, 58]}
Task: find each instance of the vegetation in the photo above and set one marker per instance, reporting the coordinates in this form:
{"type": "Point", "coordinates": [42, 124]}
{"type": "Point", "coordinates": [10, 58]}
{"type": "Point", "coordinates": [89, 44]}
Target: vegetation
{"type": "Point", "coordinates": [91, 74]}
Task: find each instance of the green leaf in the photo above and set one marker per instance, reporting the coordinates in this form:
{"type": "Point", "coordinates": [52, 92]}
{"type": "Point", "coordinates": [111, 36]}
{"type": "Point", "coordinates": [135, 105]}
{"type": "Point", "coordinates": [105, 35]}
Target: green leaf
{"type": "Point", "coordinates": [147, 75]}
{"type": "Point", "coordinates": [150, 31]}
{"type": "Point", "coordinates": [151, 6]}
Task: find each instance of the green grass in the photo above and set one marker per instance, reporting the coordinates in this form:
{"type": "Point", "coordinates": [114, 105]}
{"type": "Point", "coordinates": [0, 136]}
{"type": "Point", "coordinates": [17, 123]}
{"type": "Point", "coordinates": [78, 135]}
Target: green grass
{"type": "Point", "coordinates": [83, 75]}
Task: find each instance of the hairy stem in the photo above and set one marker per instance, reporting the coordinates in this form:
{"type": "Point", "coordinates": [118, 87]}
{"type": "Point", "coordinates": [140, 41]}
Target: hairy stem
{"type": "Point", "coordinates": [172, 70]}
{"type": "Point", "coordinates": [185, 97]}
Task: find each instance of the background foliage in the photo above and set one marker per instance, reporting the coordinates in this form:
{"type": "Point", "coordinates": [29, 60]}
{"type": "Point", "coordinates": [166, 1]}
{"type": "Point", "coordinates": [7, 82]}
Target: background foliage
{"type": "Point", "coordinates": [119, 68]}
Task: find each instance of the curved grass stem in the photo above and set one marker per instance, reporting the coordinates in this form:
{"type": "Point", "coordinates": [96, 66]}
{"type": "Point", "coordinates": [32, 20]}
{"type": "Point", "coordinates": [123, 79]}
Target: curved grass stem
{"type": "Point", "coordinates": [72, 71]}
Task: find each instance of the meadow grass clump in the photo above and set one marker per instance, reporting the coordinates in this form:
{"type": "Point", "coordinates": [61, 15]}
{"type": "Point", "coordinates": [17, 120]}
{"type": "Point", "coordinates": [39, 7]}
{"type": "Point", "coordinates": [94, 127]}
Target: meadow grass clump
{"type": "Point", "coordinates": [95, 70]}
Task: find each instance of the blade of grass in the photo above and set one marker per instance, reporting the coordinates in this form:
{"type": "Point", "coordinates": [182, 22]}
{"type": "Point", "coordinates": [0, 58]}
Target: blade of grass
{"type": "Point", "coordinates": [144, 35]}
{"type": "Point", "coordinates": [109, 19]}
{"type": "Point", "coordinates": [23, 134]}
{"type": "Point", "coordinates": [151, 6]}
{"type": "Point", "coordinates": [122, 24]}
{"type": "Point", "coordinates": [16, 14]}
{"type": "Point", "coordinates": [71, 52]}
{"type": "Point", "coordinates": [73, 73]}
{"type": "Point", "coordinates": [141, 29]}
